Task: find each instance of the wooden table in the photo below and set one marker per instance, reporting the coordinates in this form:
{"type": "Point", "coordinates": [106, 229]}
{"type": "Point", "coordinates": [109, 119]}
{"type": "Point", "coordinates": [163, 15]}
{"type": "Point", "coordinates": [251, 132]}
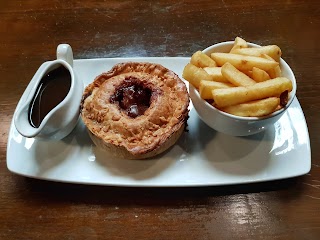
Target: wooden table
{"type": "Point", "coordinates": [35, 209]}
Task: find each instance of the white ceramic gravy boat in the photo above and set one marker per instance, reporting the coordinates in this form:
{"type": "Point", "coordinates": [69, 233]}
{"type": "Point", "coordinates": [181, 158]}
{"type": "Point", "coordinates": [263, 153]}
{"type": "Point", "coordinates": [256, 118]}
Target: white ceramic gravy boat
{"type": "Point", "coordinates": [61, 120]}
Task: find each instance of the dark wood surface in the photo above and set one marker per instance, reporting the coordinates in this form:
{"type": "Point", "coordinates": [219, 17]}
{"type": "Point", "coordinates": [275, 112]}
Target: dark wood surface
{"type": "Point", "coordinates": [35, 209]}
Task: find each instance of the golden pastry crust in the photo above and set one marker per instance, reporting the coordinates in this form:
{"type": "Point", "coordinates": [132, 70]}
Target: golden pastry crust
{"type": "Point", "coordinates": [146, 135]}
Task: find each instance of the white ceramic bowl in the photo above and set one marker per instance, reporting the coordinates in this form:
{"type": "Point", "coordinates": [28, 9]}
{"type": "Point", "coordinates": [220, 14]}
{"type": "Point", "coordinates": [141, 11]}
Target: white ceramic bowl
{"type": "Point", "coordinates": [231, 124]}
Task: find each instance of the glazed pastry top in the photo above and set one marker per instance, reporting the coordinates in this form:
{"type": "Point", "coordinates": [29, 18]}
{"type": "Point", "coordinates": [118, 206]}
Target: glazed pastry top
{"type": "Point", "coordinates": [159, 109]}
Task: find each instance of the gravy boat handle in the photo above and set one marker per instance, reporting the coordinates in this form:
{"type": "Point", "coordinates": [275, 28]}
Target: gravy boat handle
{"type": "Point", "coordinates": [64, 52]}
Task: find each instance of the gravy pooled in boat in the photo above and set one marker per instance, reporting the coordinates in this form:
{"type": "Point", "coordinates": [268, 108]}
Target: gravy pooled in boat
{"type": "Point", "coordinates": [52, 89]}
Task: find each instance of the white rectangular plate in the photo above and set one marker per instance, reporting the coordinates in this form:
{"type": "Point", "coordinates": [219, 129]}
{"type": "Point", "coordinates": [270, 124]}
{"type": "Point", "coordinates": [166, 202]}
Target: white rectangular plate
{"type": "Point", "coordinates": [201, 157]}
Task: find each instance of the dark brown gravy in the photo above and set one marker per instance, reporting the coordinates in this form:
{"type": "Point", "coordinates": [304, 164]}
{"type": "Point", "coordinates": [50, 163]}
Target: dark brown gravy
{"type": "Point", "coordinates": [52, 89]}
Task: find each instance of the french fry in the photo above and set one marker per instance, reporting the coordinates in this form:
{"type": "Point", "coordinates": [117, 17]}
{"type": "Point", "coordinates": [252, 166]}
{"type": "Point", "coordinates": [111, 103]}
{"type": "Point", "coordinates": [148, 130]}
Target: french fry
{"type": "Point", "coordinates": [200, 59]}
{"type": "Point", "coordinates": [242, 62]}
{"type": "Point", "coordinates": [259, 75]}
{"type": "Point", "coordinates": [235, 76]}
{"type": "Point", "coordinates": [216, 74]}
{"type": "Point", "coordinates": [194, 75]}
{"type": "Point", "coordinates": [273, 72]}
{"type": "Point", "coordinates": [248, 73]}
{"type": "Point", "coordinates": [257, 108]}
{"type": "Point", "coordinates": [206, 87]}
{"type": "Point", "coordinates": [238, 44]}
{"type": "Point", "coordinates": [271, 50]}
{"type": "Point", "coordinates": [231, 96]}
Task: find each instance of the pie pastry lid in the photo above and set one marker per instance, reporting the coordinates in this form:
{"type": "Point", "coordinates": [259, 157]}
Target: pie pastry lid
{"type": "Point", "coordinates": [147, 135]}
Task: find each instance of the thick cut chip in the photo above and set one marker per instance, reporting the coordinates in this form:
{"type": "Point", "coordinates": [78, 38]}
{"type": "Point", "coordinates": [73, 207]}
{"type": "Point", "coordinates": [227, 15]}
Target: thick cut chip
{"type": "Point", "coordinates": [238, 44]}
{"type": "Point", "coordinates": [201, 60]}
{"type": "Point", "coordinates": [273, 72]}
{"type": "Point", "coordinates": [206, 88]}
{"type": "Point", "coordinates": [194, 75]}
{"type": "Point", "coordinates": [243, 62]}
{"type": "Point", "coordinates": [271, 50]}
{"type": "Point", "coordinates": [216, 74]}
{"type": "Point", "coordinates": [257, 108]}
{"type": "Point", "coordinates": [235, 76]}
{"type": "Point", "coordinates": [236, 95]}
{"type": "Point", "coordinates": [259, 75]}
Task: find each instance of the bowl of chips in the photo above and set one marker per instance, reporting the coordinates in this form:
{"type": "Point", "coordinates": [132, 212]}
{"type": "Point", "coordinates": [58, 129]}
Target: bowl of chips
{"type": "Point", "coordinates": [240, 88]}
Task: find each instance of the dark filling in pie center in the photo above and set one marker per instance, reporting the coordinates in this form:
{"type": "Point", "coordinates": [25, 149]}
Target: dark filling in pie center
{"type": "Point", "coordinates": [132, 97]}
